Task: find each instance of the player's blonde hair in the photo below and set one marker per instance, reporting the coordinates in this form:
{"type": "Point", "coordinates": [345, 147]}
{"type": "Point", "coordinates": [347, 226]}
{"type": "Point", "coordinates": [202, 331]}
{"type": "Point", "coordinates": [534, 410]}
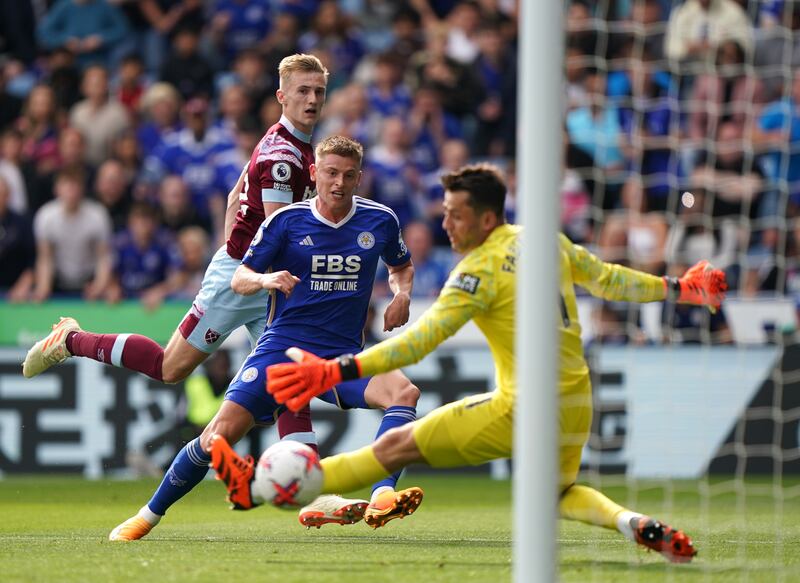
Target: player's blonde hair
{"type": "Point", "coordinates": [300, 63]}
{"type": "Point", "coordinates": [341, 146]}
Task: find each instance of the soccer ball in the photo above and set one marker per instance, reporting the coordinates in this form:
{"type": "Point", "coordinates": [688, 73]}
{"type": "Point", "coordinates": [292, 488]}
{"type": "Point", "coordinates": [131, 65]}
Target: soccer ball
{"type": "Point", "coordinates": [288, 475]}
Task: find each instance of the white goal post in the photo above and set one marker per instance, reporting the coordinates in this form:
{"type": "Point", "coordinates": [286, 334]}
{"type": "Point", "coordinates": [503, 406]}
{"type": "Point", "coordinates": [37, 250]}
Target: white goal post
{"type": "Point", "coordinates": [539, 151]}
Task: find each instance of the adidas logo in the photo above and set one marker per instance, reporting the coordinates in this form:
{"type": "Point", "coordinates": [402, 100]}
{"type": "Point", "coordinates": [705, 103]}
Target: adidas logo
{"type": "Point", "coordinates": [307, 241]}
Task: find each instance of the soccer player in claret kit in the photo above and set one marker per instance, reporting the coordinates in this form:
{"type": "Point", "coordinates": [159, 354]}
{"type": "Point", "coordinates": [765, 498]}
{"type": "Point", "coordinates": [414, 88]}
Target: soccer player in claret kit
{"type": "Point", "coordinates": [328, 248]}
{"type": "Point", "coordinates": [276, 175]}
{"type": "Point", "coordinates": [479, 428]}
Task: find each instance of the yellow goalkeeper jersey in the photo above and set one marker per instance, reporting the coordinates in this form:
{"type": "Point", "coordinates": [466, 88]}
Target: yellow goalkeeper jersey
{"type": "Point", "coordinates": [482, 287]}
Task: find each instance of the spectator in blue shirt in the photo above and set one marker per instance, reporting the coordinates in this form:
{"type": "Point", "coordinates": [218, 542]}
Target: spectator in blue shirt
{"type": "Point", "coordinates": [429, 127]}
{"type": "Point", "coordinates": [88, 28]}
{"type": "Point", "coordinates": [238, 24]}
{"type": "Point", "coordinates": [161, 105]}
{"type": "Point", "coordinates": [332, 33]}
{"type": "Point", "coordinates": [17, 250]}
{"type": "Point", "coordinates": [193, 154]}
{"type": "Point", "coordinates": [142, 253]}
{"type": "Point", "coordinates": [387, 95]}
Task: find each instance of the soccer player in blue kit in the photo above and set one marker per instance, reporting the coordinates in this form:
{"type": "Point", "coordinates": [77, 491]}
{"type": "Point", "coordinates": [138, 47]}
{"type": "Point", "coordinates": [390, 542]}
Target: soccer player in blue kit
{"type": "Point", "coordinates": [325, 252]}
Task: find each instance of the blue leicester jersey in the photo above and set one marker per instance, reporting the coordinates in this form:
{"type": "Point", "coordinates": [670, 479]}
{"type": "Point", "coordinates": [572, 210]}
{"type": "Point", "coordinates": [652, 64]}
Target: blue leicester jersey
{"type": "Point", "coordinates": [336, 264]}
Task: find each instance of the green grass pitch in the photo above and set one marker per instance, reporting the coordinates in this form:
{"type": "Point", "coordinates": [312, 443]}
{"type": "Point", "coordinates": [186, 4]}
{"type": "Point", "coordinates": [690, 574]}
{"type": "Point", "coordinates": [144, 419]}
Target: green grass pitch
{"type": "Point", "coordinates": [55, 529]}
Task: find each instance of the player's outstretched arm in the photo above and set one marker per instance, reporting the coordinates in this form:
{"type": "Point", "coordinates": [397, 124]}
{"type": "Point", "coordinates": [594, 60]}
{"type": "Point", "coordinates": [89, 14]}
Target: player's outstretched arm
{"type": "Point", "coordinates": [246, 281]}
{"type": "Point", "coordinates": [702, 285]}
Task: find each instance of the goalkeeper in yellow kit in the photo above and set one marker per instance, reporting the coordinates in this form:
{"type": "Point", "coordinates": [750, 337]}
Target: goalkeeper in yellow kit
{"type": "Point", "coordinates": [479, 428]}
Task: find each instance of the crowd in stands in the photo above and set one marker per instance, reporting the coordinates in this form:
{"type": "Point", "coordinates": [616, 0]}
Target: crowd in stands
{"type": "Point", "coordinates": [124, 124]}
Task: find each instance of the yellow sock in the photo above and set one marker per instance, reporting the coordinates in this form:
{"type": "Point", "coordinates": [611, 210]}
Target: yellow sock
{"type": "Point", "coordinates": [590, 506]}
{"type": "Point", "coordinates": [350, 471]}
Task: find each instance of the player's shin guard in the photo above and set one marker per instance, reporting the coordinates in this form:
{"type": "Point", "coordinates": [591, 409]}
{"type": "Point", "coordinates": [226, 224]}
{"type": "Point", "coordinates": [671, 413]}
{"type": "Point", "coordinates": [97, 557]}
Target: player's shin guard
{"type": "Point", "coordinates": [350, 471]}
{"type": "Point", "coordinates": [187, 470]}
{"type": "Point", "coordinates": [130, 351]}
{"type": "Point", "coordinates": [393, 417]}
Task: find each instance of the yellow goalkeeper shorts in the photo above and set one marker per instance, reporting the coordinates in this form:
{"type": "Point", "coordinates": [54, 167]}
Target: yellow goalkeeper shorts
{"type": "Point", "coordinates": [574, 426]}
{"type": "Point", "coordinates": [471, 431]}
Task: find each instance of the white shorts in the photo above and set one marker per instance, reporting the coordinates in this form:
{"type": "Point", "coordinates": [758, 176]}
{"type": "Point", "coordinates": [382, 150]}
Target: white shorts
{"type": "Point", "coordinates": [217, 310]}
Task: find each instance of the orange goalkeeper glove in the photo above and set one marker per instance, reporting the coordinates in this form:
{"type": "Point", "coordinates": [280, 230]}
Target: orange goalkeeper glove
{"type": "Point", "coordinates": [296, 383]}
{"type": "Point", "coordinates": [701, 285]}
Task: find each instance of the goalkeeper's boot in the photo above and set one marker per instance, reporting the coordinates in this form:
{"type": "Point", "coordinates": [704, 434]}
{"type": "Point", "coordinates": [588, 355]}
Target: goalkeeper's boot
{"type": "Point", "coordinates": [51, 349]}
{"type": "Point", "coordinates": [332, 509]}
{"type": "Point", "coordinates": [675, 545]}
{"type": "Point", "coordinates": [389, 505]}
{"type": "Point", "coordinates": [236, 471]}
{"type": "Point", "coordinates": [132, 529]}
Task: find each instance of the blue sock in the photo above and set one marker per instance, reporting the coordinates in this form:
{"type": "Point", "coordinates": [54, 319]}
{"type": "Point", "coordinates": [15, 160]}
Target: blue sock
{"type": "Point", "coordinates": [394, 417]}
{"type": "Point", "coordinates": [188, 469]}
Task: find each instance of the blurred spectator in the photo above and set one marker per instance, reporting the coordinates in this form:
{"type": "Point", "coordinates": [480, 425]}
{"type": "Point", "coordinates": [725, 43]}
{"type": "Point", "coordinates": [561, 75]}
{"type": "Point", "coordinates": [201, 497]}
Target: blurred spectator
{"type": "Point", "coordinates": [777, 50]}
{"type": "Point", "coordinates": [165, 17]}
{"type": "Point", "coordinates": [17, 249]}
{"type": "Point", "coordinates": [454, 154]}
{"type": "Point", "coordinates": [430, 269]}
{"type": "Point", "coordinates": [576, 211]}
{"type": "Point", "coordinates": [88, 28]}
{"type": "Point", "coordinates": [697, 27]}
{"type": "Point", "coordinates": [238, 24]}
{"type": "Point", "coordinates": [192, 153]}
{"type": "Point", "coordinates": [650, 125]}
{"type": "Point", "coordinates": [730, 175]}
{"type": "Point", "coordinates": [270, 112]}
{"type": "Point", "coordinates": [429, 126]}
{"type": "Point", "coordinates": [39, 129]}
{"type": "Point", "coordinates": [142, 254]}
{"type": "Point", "coordinates": [386, 94]}
{"type": "Point", "coordinates": [250, 73]}
{"type": "Point", "coordinates": [186, 69]}
{"type": "Point", "coordinates": [130, 83]}
{"type": "Point", "coordinates": [72, 243]}
{"type": "Point", "coordinates": [234, 106]}
{"type": "Point", "coordinates": [778, 127]}
{"type": "Point", "coordinates": [458, 86]}
{"type": "Point", "coordinates": [10, 105]}
{"type": "Point", "coordinates": [184, 280]}
{"type": "Point", "coordinates": [11, 171]}
{"type": "Point", "coordinates": [649, 29]}
{"type": "Point", "coordinates": [111, 189]}
{"type": "Point", "coordinates": [125, 150]}
{"type": "Point", "coordinates": [99, 117]}
{"type": "Point", "coordinates": [65, 78]}
{"type": "Point", "coordinates": [407, 35]}
{"type": "Point", "coordinates": [282, 40]}
{"type": "Point", "coordinates": [633, 236]}
{"type": "Point", "coordinates": [18, 31]}
{"type": "Point", "coordinates": [161, 105]}
{"type": "Point", "coordinates": [463, 22]}
{"type": "Point", "coordinates": [331, 31]}
{"type": "Point", "coordinates": [496, 67]}
{"type": "Point", "coordinates": [71, 154]}
{"type": "Point", "coordinates": [347, 113]}
{"type": "Point", "coordinates": [730, 94]}
{"type": "Point", "coordinates": [576, 63]}
{"type": "Point", "coordinates": [177, 211]}
{"type": "Point", "coordinates": [389, 176]}
{"type": "Point", "coordinates": [596, 131]}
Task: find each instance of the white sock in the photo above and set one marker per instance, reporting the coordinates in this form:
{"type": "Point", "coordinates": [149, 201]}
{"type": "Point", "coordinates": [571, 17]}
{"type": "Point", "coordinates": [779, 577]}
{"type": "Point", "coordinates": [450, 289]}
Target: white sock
{"type": "Point", "coordinates": [149, 515]}
{"type": "Point", "coordinates": [379, 491]}
{"type": "Point", "coordinates": [624, 524]}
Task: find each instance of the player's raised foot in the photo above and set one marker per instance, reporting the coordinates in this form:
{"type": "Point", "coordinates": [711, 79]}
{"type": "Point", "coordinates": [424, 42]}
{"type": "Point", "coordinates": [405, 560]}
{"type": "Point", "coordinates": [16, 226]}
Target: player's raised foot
{"type": "Point", "coordinates": [51, 349]}
{"type": "Point", "coordinates": [389, 505]}
{"type": "Point", "coordinates": [332, 509]}
{"type": "Point", "coordinates": [132, 529]}
{"type": "Point", "coordinates": [236, 471]}
{"type": "Point", "coordinates": [675, 545]}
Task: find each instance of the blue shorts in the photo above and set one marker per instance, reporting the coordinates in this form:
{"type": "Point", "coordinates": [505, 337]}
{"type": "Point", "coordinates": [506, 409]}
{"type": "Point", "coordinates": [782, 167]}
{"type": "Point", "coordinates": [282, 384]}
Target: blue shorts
{"type": "Point", "coordinates": [217, 310]}
{"type": "Point", "coordinates": [249, 387]}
